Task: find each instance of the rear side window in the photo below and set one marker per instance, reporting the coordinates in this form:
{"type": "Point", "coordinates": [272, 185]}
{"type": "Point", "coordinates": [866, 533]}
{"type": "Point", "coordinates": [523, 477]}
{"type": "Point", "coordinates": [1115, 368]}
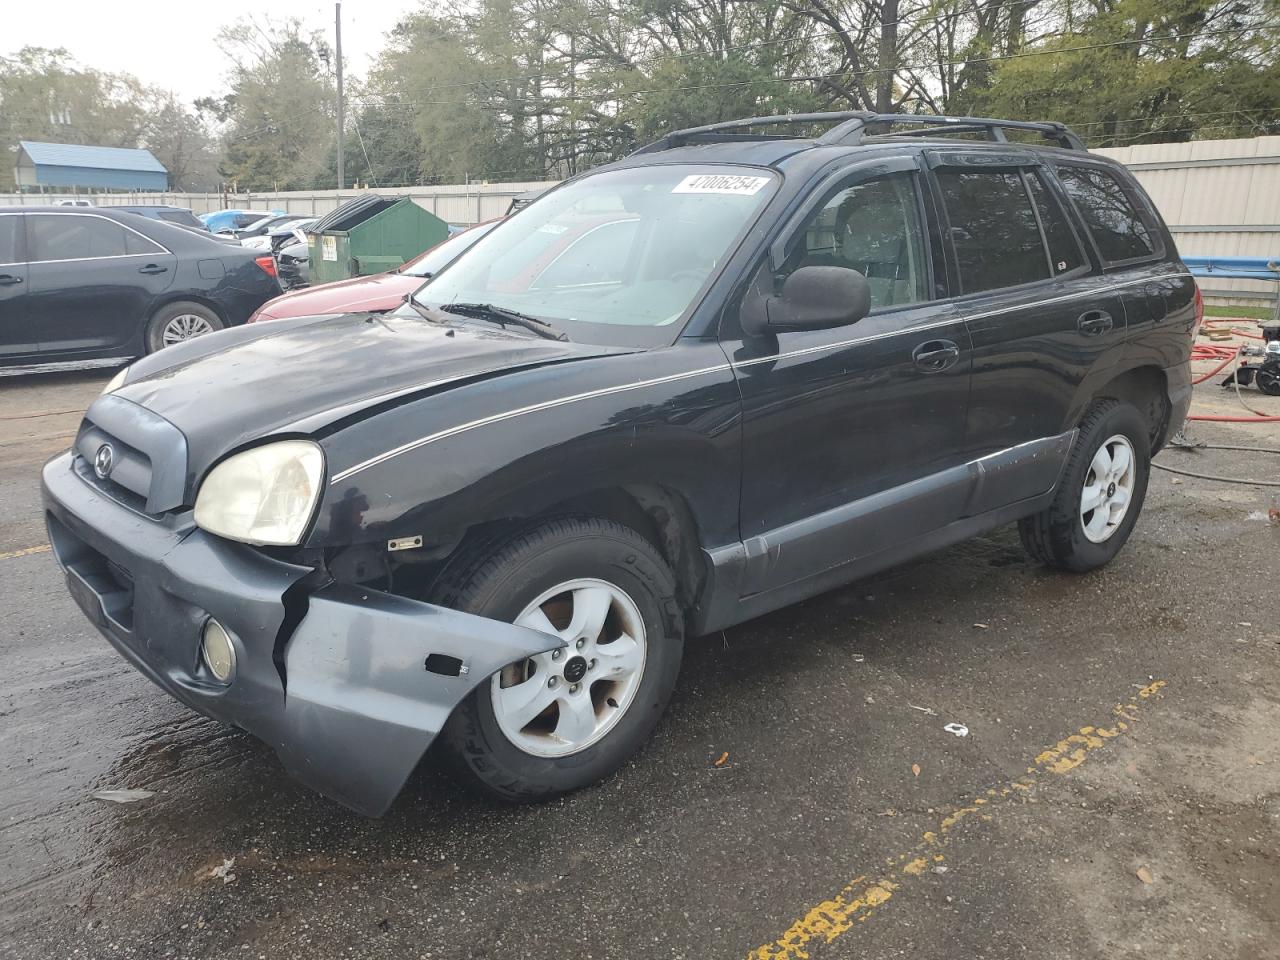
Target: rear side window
{"type": "Point", "coordinates": [1116, 226]}
{"type": "Point", "coordinates": [9, 227]}
{"type": "Point", "coordinates": [1064, 249]}
{"type": "Point", "coordinates": [136, 243]}
{"type": "Point", "coordinates": [993, 229]}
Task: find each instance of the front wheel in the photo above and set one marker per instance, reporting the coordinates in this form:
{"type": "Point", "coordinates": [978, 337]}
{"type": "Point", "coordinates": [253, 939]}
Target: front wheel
{"type": "Point", "coordinates": [1100, 494]}
{"type": "Point", "coordinates": [569, 717]}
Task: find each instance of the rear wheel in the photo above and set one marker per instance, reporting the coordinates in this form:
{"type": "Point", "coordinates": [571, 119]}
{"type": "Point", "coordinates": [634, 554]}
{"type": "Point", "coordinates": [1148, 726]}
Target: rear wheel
{"type": "Point", "coordinates": [1100, 495]}
{"type": "Point", "coordinates": [564, 719]}
{"type": "Point", "coordinates": [178, 322]}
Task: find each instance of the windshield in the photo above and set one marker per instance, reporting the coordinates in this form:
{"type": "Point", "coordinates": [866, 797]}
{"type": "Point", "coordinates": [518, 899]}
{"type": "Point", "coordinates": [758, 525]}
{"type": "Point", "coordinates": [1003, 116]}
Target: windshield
{"type": "Point", "coordinates": [616, 257]}
{"type": "Point", "coordinates": [442, 254]}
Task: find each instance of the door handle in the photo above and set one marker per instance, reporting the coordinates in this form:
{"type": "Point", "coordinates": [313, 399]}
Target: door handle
{"type": "Point", "coordinates": [935, 355]}
{"type": "Point", "coordinates": [153, 268]}
{"type": "Point", "coordinates": [8, 279]}
{"type": "Point", "coordinates": [1094, 323]}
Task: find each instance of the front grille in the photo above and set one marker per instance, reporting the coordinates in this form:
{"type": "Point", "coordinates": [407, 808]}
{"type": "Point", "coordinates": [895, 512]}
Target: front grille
{"type": "Point", "coordinates": [129, 479]}
{"type": "Point", "coordinates": [147, 455]}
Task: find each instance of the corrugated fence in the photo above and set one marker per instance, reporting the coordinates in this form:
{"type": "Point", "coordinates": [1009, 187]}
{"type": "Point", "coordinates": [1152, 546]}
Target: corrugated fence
{"type": "Point", "coordinates": [456, 203]}
{"type": "Point", "coordinates": [1219, 197]}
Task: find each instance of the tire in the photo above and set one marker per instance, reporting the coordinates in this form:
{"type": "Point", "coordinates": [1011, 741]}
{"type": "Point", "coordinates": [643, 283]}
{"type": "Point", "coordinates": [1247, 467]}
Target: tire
{"type": "Point", "coordinates": [1267, 378]}
{"type": "Point", "coordinates": [1059, 536]}
{"type": "Point", "coordinates": [169, 319]}
{"type": "Point", "coordinates": [548, 567]}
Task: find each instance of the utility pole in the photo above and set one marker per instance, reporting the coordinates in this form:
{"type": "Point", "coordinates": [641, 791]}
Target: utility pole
{"type": "Point", "coordinates": [888, 56]}
{"type": "Point", "coordinates": [337, 33]}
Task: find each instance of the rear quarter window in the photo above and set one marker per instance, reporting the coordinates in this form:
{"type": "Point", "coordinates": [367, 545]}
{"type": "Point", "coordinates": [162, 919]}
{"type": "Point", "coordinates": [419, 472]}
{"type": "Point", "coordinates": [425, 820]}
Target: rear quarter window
{"type": "Point", "coordinates": [1114, 221]}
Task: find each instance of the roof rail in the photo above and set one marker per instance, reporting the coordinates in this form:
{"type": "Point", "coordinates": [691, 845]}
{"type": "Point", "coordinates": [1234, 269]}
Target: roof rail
{"type": "Point", "coordinates": [851, 128]}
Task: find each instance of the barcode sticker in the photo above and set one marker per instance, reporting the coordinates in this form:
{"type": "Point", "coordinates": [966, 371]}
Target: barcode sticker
{"type": "Point", "coordinates": [720, 183]}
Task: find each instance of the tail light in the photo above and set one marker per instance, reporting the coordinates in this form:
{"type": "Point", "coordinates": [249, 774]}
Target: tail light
{"type": "Point", "coordinates": [1195, 330]}
{"type": "Point", "coordinates": [268, 265]}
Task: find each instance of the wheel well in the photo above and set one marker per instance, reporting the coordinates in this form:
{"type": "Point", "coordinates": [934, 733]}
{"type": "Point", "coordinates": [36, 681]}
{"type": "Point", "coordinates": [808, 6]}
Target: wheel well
{"type": "Point", "coordinates": [658, 514]}
{"type": "Point", "coordinates": [1145, 388]}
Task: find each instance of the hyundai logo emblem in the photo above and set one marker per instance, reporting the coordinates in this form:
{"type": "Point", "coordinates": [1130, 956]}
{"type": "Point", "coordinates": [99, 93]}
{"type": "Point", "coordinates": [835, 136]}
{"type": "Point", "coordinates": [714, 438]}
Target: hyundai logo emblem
{"type": "Point", "coordinates": [103, 461]}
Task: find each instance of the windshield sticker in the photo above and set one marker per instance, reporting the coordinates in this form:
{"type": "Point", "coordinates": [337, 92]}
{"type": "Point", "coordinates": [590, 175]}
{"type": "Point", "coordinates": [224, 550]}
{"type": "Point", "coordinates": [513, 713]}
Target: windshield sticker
{"type": "Point", "coordinates": [720, 183]}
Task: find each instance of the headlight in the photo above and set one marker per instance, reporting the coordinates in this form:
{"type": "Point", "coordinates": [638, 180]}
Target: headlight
{"type": "Point", "coordinates": [263, 496]}
{"type": "Point", "coordinates": [116, 382]}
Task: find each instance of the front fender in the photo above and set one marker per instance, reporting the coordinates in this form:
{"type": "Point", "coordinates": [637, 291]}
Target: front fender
{"type": "Point", "coordinates": [519, 444]}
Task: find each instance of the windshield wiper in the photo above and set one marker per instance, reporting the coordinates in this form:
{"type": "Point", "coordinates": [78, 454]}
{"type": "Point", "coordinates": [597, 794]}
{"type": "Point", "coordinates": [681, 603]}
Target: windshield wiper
{"type": "Point", "coordinates": [423, 311]}
{"type": "Point", "coordinates": [502, 317]}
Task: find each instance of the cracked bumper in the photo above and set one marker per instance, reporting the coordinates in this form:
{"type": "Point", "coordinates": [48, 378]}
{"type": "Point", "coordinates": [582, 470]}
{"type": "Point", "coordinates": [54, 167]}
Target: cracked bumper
{"type": "Point", "coordinates": [357, 705]}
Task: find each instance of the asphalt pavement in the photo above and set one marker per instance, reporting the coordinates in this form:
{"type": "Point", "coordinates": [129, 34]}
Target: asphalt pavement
{"type": "Point", "coordinates": [1116, 794]}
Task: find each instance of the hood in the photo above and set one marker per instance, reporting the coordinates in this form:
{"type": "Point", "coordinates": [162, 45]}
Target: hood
{"type": "Point", "coordinates": [299, 376]}
{"type": "Point", "coordinates": [380, 292]}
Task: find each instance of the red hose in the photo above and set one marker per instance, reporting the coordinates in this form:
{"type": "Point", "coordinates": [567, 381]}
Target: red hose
{"type": "Point", "coordinates": [1202, 416]}
{"type": "Point", "coordinates": [1235, 331]}
{"type": "Point", "coordinates": [1204, 351]}
{"type": "Point", "coordinates": [1226, 354]}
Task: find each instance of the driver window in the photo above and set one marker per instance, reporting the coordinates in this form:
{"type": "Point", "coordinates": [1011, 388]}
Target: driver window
{"type": "Point", "coordinates": [873, 227]}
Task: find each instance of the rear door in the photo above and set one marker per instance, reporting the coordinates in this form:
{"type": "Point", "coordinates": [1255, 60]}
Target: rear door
{"type": "Point", "coordinates": [15, 332]}
{"type": "Point", "coordinates": [92, 281]}
{"type": "Point", "coordinates": [1040, 316]}
{"type": "Point", "coordinates": [1127, 239]}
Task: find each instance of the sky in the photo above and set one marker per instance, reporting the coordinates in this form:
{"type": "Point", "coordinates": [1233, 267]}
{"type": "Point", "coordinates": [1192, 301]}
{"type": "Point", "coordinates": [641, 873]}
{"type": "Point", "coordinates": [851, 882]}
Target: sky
{"type": "Point", "coordinates": [170, 44]}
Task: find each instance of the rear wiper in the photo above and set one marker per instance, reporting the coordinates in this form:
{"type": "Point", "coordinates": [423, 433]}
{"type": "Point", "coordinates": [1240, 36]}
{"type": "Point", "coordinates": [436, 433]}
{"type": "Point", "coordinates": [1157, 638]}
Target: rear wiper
{"type": "Point", "coordinates": [502, 317]}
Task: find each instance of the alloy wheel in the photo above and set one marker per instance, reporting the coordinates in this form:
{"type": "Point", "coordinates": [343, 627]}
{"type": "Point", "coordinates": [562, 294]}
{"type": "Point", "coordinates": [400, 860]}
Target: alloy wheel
{"type": "Point", "coordinates": [183, 327]}
{"type": "Point", "coordinates": [1108, 489]}
{"type": "Point", "coordinates": [561, 702]}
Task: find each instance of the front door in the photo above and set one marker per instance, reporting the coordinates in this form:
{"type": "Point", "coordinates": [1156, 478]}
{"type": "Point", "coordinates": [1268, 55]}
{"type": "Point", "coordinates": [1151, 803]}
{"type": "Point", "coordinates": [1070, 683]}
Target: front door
{"type": "Point", "coordinates": [15, 333]}
{"type": "Point", "coordinates": [853, 437]}
{"type": "Point", "coordinates": [91, 281]}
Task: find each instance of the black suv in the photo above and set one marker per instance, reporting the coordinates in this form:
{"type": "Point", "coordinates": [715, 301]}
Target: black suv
{"type": "Point", "coordinates": [717, 377]}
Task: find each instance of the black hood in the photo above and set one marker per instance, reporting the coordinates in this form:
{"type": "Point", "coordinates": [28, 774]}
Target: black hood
{"type": "Point", "coordinates": [290, 377]}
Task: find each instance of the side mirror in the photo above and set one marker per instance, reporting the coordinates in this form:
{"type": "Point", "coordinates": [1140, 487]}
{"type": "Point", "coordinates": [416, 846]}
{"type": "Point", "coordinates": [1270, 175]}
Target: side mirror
{"type": "Point", "coordinates": [813, 298]}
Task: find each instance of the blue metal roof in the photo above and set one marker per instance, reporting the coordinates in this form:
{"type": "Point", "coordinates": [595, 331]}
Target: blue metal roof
{"type": "Point", "coordinates": [97, 158]}
{"type": "Point", "coordinates": [103, 168]}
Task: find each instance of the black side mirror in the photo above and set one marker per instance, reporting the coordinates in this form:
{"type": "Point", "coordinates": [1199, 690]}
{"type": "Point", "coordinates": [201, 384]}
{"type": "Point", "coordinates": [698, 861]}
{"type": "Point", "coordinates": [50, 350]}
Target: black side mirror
{"type": "Point", "coordinates": [813, 298]}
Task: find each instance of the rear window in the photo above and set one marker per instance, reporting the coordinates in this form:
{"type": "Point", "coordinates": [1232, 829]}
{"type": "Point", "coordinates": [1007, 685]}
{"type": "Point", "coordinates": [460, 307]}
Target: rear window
{"type": "Point", "coordinates": [180, 216]}
{"type": "Point", "coordinates": [993, 229]}
{"type": "Point", "coordinates": [1115, 223]}
{"type": "Point", "coordinates": [9, 238]}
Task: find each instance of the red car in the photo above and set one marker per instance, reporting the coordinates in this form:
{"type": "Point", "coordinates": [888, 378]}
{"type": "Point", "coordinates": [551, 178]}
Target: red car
{"type": "Point", "coordinates": [376, 294]}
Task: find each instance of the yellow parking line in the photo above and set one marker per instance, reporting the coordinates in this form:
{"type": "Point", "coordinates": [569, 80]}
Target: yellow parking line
{"type": "Point", "coordinates": [25, 552]}
{"type": "Point", "coordinates": [863, 895]}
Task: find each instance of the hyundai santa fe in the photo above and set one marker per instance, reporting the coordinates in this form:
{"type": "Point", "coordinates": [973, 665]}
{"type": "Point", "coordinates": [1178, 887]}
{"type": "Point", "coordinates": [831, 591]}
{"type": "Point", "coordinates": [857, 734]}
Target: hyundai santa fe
{"type": "Point", "coordinates": [766, 365]}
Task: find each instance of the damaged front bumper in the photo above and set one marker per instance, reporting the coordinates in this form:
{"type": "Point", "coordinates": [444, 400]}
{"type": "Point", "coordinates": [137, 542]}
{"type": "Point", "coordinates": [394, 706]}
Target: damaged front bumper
{"type": "Point", "coordinates": [348, 685]}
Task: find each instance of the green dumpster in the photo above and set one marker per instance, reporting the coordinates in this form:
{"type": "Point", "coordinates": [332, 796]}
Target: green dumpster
{"type": "Point", "coordinates": [370, 234]}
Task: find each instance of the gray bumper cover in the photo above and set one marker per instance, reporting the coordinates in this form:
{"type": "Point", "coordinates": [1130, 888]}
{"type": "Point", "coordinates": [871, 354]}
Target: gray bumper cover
{"type": "Point", "coordinates": [357, 706]}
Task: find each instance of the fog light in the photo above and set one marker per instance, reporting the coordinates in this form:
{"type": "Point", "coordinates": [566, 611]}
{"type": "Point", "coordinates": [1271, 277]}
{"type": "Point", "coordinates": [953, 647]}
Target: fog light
{"type": "Point", "coordinates": [219, 654]}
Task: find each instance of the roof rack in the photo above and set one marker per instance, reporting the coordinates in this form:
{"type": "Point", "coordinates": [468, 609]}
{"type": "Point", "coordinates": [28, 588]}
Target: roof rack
{"type": "Point", "coordinates": [851, 129]}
